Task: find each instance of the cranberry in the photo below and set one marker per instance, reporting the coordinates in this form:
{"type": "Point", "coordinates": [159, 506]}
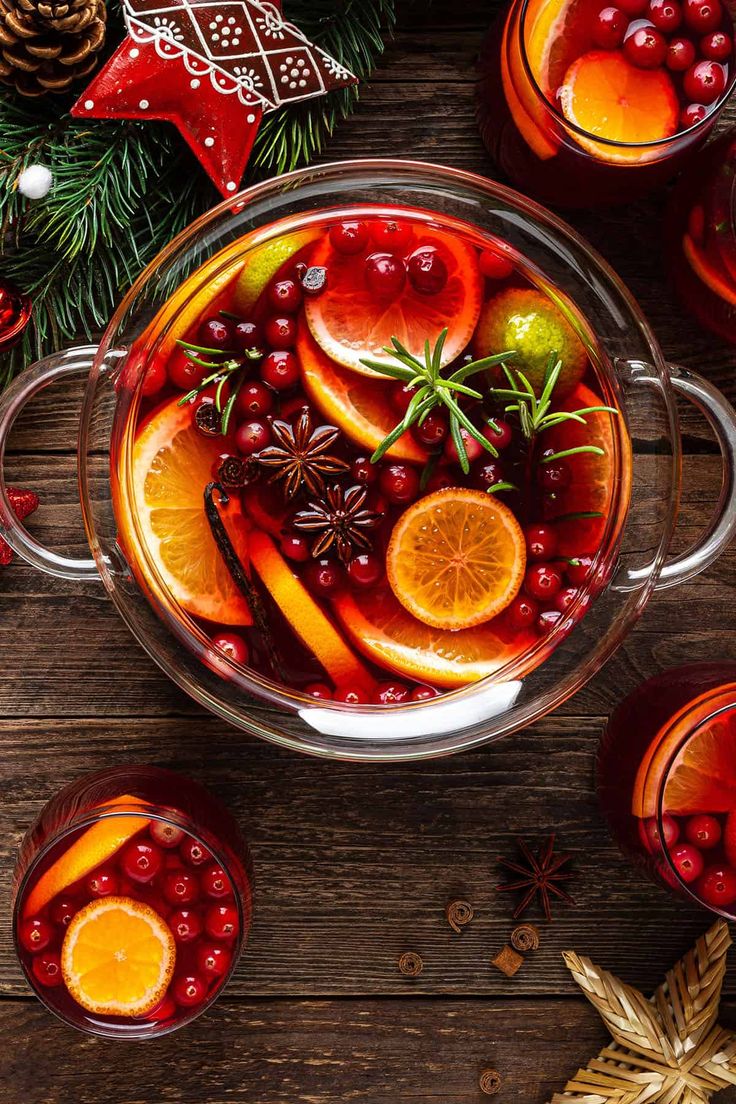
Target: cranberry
{"type": "Point", "coordinates": [609, 28]}
{"type": "Point", "coordinates": [154, 379]}
{"type": "Point", "coordinates": [254, 400]}
{"type": "Point", "coordinates": [499, 433]}
{"type": "Point", "coordinates": [284, 295]}
{"type": "Point", "coordinates": [522, 613]}
{"type": "Point", "coordinates": [646, 48]}
{"type": "Point", "coordinates": [188, 990]}
{"type": "Point", "coordinates": [46, 969]}
{"type": "Point", "coordinates": [166, 835]}
{"type": "Point", "coordinates": [351, 695]}
{"type": "Point", "coordinates": [688, 861]}
{"type": "Point", "coordinates": [280, 370]}
{"type": "Point", "coordinates": [553, 475]}
{"type": "Point", "coordinates": [280, 332]}
{"type": "Point", "coordinates": [62, 910]}
{"type": "Point", "coordinates": [717, 46]}
{"type": "Point", "coordinates": [542, 581]}
{"type": "Point", "coordinates": [473, 448]}
{"type": "Point", "coordinates": [221, 921]}
{"type": "Point", "coordinates": [318, 690]}
{"type": "Point", "coordinates": [665, 14]}
{"type": "Point", "coordinates": [494, 266]}
{"type": "Point", "coordinates": [141, 861]}
{"type": "Point", "coordinates": [578, 569]}
{"type": "Point", "coordinates": [391, 234]}
{"type": "Point", "coordinates": [488, 474]}
{"type": "Point", "coordinates": [703, 15]}
{"type": "Point", "coordinates": [692, 115]}
{"type": "Point", "coordinates": [547, 621]}
{"type": "Point", "coordinates": [35, 934]}
{"type": "Point", "coordinates": [680, 54]}
{"type": "Point", "coordinates": [703, 830]}
{"type": "Point", "coordinates": [186, 925]}
{"type": "Point", "coordinates": [716, 886]}
{"type": "Point", "coordinates": [194, 853]}
{"type": "Point", "coordinates": [385, 275]}
{"type": "Point", "coordinates": [213, 961]}
{"type": "Point", "coordinates": [232, 645]}
{"type": "Point", "coordinates": [184, 374]}
{"type": "Point", "coordinates": [400, 396]}
{"type": "Point", "coordinates": [164, 1010]}
{"type": "Point", "coordinates": [670, 829]}
{"type": "Point", "coordinates": [103, 883]}
{"type": "Point", "coordinates": [349, 237]}
{"type": "Point", "coordinates": [399, 483]}
{"type": "Point", "coordinates": [440, 480]}
{"type": "Point", "coordinates": [565, 598]}
{"type": "Point", "coordinates": [633, 7]}
{"type": "Point", "coordinates": [363, 471]}
{"type": "Point", "coordinates": [215, 882]}
{"type": "Point", "coordinates": [180, 887]}
{"type": "Point", "coordinates": [424, 693]}
{"type": "Point", "coordinates": [541, 541]}
{"type": "Point", "coordinates": [324, 576]}
{"type": "Point", "coordinates": [365, 569]}
{"type": "Point", "coordinates": [427, 271]}
{"type": "Point", "coordinates": [704, 82]}
{"type": "Point", "coordinates": [217, 333]}
{"type": "Point", "coordinates": [248, 336]}
{"type": "Point", "coordinates": [390, 693]}
{"type": "Point", "coordinates": [295, 548]}
{"type": "Point", "coordinates": [432, 431]}
{"type": "Point", "coordinates": [252, 436]}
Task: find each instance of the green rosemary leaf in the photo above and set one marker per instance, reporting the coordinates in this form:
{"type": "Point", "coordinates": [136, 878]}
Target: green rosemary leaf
{"type": "Point", "coordinates": [387, 442]}
{"type": "Point", "coordinates": [479, 366]}
{"type": "Point", "coordinates": [396, 371]}
{"type": "Point", "coordinates": [457, 438]}
{"type": "Point", "coordinates": [502, 486]}
{"type": "Point", "coordinates": [437, 355]}
{"type": "Point", "coordinates": [445, 385]}
{"type": "Point", "coordinates": [203, 363]}
{"type": "Point", "coordinates": [596, 410]}
{"type": "Point", "coordinates": [527, 426]}
{"type": "Point", "coordinates": [466, 423]}
{"type": "Point", "coordinates": [230, 406]}
{"type": "Point", "coordinates": [188, 345]}
{"type": "Point", "coordinates": [592, 449]}
{"type": "Point", "coordinates": [562, 416]}
{"type": "Point", "coordinates": [218, 394]}
{"type": "Point", "coordinates": [230, 316]}
{"type": "Point", "coordinates": [579, 515]}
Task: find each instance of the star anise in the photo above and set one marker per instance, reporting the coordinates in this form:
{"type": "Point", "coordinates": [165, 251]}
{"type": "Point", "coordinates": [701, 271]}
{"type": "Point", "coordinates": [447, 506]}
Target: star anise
{"type": "Point", "coordinates": [539, 876]}
{"type": "Point", "coordinates": [300, 455]}
{"type": "Point", "coordinates": [341, 519]}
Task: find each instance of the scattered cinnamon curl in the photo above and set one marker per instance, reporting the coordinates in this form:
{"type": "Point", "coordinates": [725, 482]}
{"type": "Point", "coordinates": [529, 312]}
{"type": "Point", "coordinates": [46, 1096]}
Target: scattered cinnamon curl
{"type": "Point", "coordinates": [525, 938]}
{"type": "Point", "coordinates": [490, 1082]}
{"type": "Point", "coordinates": [459, 913]}
{"type": "Point", "coordinates": [410, 964]}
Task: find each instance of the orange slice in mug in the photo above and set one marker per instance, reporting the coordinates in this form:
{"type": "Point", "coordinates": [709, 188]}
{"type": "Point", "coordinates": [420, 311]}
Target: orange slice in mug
{"type": "Point", "coordinates": [707, 273]}
{"type": "Point", "coordinates": [118, 957]}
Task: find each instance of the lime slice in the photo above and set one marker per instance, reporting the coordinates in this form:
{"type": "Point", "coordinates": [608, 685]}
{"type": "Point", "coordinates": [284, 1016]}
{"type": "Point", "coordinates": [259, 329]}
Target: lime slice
{"type": "Point", "coordinates": [263, 263]}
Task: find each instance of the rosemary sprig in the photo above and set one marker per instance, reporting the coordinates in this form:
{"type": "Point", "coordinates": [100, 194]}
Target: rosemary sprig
{"type": "Point", "coordinates": [431, 390]}
{"type": "Point", "coordinates": [224, 370]}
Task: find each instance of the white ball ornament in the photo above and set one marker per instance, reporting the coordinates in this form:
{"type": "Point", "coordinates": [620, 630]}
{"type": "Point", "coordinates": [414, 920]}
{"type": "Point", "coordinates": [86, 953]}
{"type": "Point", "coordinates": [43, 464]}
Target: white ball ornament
{"type": "Point", "coordinates": [35, 182]}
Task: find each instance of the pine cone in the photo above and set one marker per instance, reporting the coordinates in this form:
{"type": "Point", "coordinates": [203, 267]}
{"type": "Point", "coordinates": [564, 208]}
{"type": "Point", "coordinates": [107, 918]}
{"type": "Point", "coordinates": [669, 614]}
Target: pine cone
{"type": "Point", "coordinates": [45, 45]}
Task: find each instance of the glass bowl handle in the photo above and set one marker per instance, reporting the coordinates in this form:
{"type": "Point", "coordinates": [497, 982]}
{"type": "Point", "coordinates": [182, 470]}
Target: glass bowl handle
{"type": "Point", "coordinates": [73, 362]}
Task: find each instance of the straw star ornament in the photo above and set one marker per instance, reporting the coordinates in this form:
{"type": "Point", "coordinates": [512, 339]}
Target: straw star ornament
{"type": "Point", "coordinates": [666, 1050]}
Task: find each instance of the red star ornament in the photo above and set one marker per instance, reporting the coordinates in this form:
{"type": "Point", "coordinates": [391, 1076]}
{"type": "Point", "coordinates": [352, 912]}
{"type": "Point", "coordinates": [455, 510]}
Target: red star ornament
{"type": "Point", "coordinates": [212, 68]}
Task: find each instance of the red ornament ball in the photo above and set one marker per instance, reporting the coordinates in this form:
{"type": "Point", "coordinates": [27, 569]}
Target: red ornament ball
{"type": "Point", "coordinates": [15, 314]}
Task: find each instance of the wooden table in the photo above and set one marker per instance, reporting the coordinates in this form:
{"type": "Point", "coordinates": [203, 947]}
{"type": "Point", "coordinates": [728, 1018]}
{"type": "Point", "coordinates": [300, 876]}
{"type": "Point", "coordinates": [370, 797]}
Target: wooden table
{"type": "Point", "coordinates": [356, 863]}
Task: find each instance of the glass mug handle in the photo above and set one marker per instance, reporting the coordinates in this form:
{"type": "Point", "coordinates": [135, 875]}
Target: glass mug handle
{"type": "Point", "coordinates": [73, 362]}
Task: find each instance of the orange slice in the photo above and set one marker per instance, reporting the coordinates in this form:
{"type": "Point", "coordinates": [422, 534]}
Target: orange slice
{"type": "Point", "coordinates": [608, 97]}
{"type": "Point", "coordinates": [304, 615]}
{"type": "Point", "coordinates": [706, 273]}
{"type": "Point", "coordinates": [555, 34]}
{"type": "Point", "coordinates": [350, 322]}
{"type": "Point", "coordinates": [117, 958]}
{"type": "Point", "coordinates": [172, 465]}
{"type": "Point", "coordinates": [359, 406]}
{"type": "Point", "coordinates": [456, 558]}
{"type": "Point", "coordinates": [386, 633]}
{"type": "Point", "coordinates": [94, 847]}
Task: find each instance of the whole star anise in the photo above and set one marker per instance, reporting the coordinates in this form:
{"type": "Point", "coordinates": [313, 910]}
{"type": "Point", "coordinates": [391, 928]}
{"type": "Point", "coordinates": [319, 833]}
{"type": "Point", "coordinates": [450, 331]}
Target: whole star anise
{"type": "Point", "coordinates": [537, 876]}
{"type": "Point", "coordinates": [299, 455]}
{"type": "Point", "coordinates": [341, 519]}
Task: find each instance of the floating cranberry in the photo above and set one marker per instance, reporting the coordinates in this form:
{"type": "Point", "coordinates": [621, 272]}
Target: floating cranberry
{"type": "Point", "coordinates": [609, 28]}
{"type": "Point", "coordinates": [165, 1010]}
{"type": "Point", "coordinates": [704, 82]}
{"type": "Point", "coordinates": [180, 887]}
{"type": "Point", "coordinates": [62, 910]}
{"type": "Point", "coordinates": [166, 835]}
{"type": "Point", "coordinates": [473, 448]}
{"type": "Point", "coordinates": [680, 54]}
{"type": "Point", "coordinates": [547, 621]}
{"type": "Point", "coordinates": [280, 370]}
{"type": "Point", "coordinates": [184, 374]}
{"type": "Point", "coordinates": [324, 576]}
{"type": "Point", "coordinates": [254, 400]}
{"type": "Point", "coordinates": [312, 280]}
{"type": "Point", "coordinates": [440, 480]}
{"type": "Point", "coordinates": [280, 332]}
{"type": "Point", "coordinates": [541, 541]}
{"type": "Point", "coordinates": [103, 883]}
{"type": "Point", "coordinates": [295, 548]}
{"type": "Point", "coordinates": [141, 861]}
{"type": "Point", "coordinates": [665, 14]}
{"type": "Point", "coordinates": [427, 271]}
{"type": "Point", "coordinates": [221, 921]}
{"type": "Point", "coordinates": [284, 295]}
{"type": "Point", "coordinates": [385, 275]}
{"type": "Point", "coordinates": [488, 475]}
{"type": "Point", "coordinates": [424, 693]}
{"type": "Point", "coordinates": [213, 961]}
{"type": "Point", "coordinates": [399, 483]}
{"type": "Point", "coordinates": [553, 475]}
{"type": "Point", "coordinates": [188, 990]}
{"type": "Point", "coordinates": [522, 613]}
{"type": "Point", "coordinates": [704, 831]}
{"type": "Point", "coordinates": [433, 430]}
{"type": "Point", "coordinates": [494, 266]}
{"type": "Point", "coordinates": [318, 690]}
{"type": "Point", "coordinates": [232, 645]}
{"type": "Point", "coordinates": [186, 925]}
{"type": "Point", "coordinates": [579, 568]}
{"type": "Point", "coordinates": [703, 15]}
{"type": "Point", "coordinates": [392, 235]}
{"type": "Point", "coordinates": [390, 693]}
{"type": "Point", "coordinates": [215, 882]}
{"type": "Point", "coordinates": [716, 886]}
{"type": "Point", "coordinates": [670, 830]}
{"type": "Point", "coordinates": [717, 46]}
{"type": "Point", "coordinates": [365, 569]}
{"type": "Point", "coordinates": [351, 695]}
{"type": "Point", "coordinates": [217, 333]}
{"type": "Point", "coordinates": [194, 853]}
{"type": "Point", "coordinates": [349, 237]}
{"type": "Point", "coordinates": [35, 934]}
{"type": "Point", "coordinates": [363, 471]}
{"type": "Point", "coordinates": [499, 433]}
{"type": "Point", "coordinates": [154, 379]}
{"type": "Point", "coordinates": [543, 581]}
{"type": "Point", "coordinates": [46, 969]}
{"type": "Point", "coordinates": [248, 336]}
{"type": "Point", "coordinates": [692, 115]}
{"type": "Point", "coordinates": [251, 437]}
{"type": "Point", "coordinates": [687, 861]}
{"type": "Point", "coordinates": [565, 598]}
{"type": "Point", "coordinates": [646, 48]}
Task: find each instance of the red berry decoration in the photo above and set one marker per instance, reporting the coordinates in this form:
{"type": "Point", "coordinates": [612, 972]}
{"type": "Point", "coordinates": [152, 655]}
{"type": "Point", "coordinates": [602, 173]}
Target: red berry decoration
{"type": "Point", "coordinates": [704, 82]}
{"type": "Point", "coordinates": [522, 613]}
{"type": "Point", "coordinates": [670, 829]}
{"type": "Point", "coordinates": [499, 433]}
{"type": "Point", "coordinates": [251, 437]}
{"type": "Point", "coordinates": [15, 314]}
{"type": "Point", "coordinates": [542, 581]}
{"type": "Point", "coordinates": [186, 925]}
{"type": "Point", "coordinates": [248, 337]}
{"type": "Point", "coordinates": [703, 16]}
{"type": "Point", "coordinates": [716, 886]}
{"type": "Point", "coordinates": [704, 831]}
{"type": "Point", "coordinates": [433, 430]}
{"type": "Point", "coordinates": [494, 266]}
{"type": "Point", "coordinates": [385, 275]}
{"type": "Point", "coordinates": [646, 48]}
{"type": "Point", "coordinates": [62, 910]}
{"type": "Point", "coordinates": [188, 990]}
{"type": "Point", "coordinates": [351, 695]}
{"type": "Point", "coordinates": [680, 55]}
{"type": "Point", "coordinates": [46, 969]}
{"type": "Point", "coordinates": [424, 693]}
{"type": "Point", "coordinates": [363, 471]}
{"type": "Point", "coordinates": [717, 46]}
{"type": "Point", "coordinates": [35, 934]}
{"type": "Point", "coordinates": [578, 569]}
{"type": "Point", "coordinates": [295, 548]}
{"type": "Point", "coordinates": [547, 621]}
{"type": "Point", "coordinates": [553, 475]}
{"type": "Point", "coordinates": [215, 882]}
{"type": "Point", "coordinates": [194, 853]}
{"type": "Point", "coordinates": [473, 448]}
{"type": "Point", "coordinates": [318, 690]}
{"type": "Point", "coordinates": [692, 115]}
{"type": "Point", "coordinates": [609, 28]}
{"type": "Point", "coordinates": [280, 332]}
{"type": "Point", "coordinates": [399, 483]}
{"type": "Point", "coordinates": [687, 861]}
{"type": "Point", "coordinates": [103, 883]}
{"type": "Point", "coordinates": [254, 400]}
{"type": "Point", "coordinates": [141, 861]}
{"type": "Point", "coordinates": [390, 693]}
{"type": "Point", "coordinates": [280, 370]}
{"type": "Point", "coordinates": [180, 887]}
{"type": "Point", "coordinates": [349, 237]}
{"type": "Point", "coordinates": [285, 295]}
{"type": "Point", "coordinates": [213, 961]}
{"type": "Point", "coordinates": [541, 541]}
{"type": "Point", "coordinates": [154, 379]}
{"type": "Point", "coordinates": [184, 374]}
{"type": "Point", "coordinates": [221, 921]}
{"type": "Point", "coordinates": [165, 834]}
{"type": "Point", "coordinates": [365, 569]}
{"type": "Point", "coordinates": [233, 646]}
{"type": "Point", "coordinates": [427, 271]}
{"type": "Point", "coordinates": [392, 235]}
{"type": "Point", "coordinates": [665, 14]}
{"type": "Point", "coordinates": [217, 333]}
{"type": "Point", "coordinates": [324, 576]}
{"type": "Point", "coordinates": [565, 599]}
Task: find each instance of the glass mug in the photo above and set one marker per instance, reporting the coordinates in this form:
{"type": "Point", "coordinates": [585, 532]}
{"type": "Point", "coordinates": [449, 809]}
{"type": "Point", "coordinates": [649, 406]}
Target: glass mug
{"type": "Point", "coordinates": [632, 559]}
